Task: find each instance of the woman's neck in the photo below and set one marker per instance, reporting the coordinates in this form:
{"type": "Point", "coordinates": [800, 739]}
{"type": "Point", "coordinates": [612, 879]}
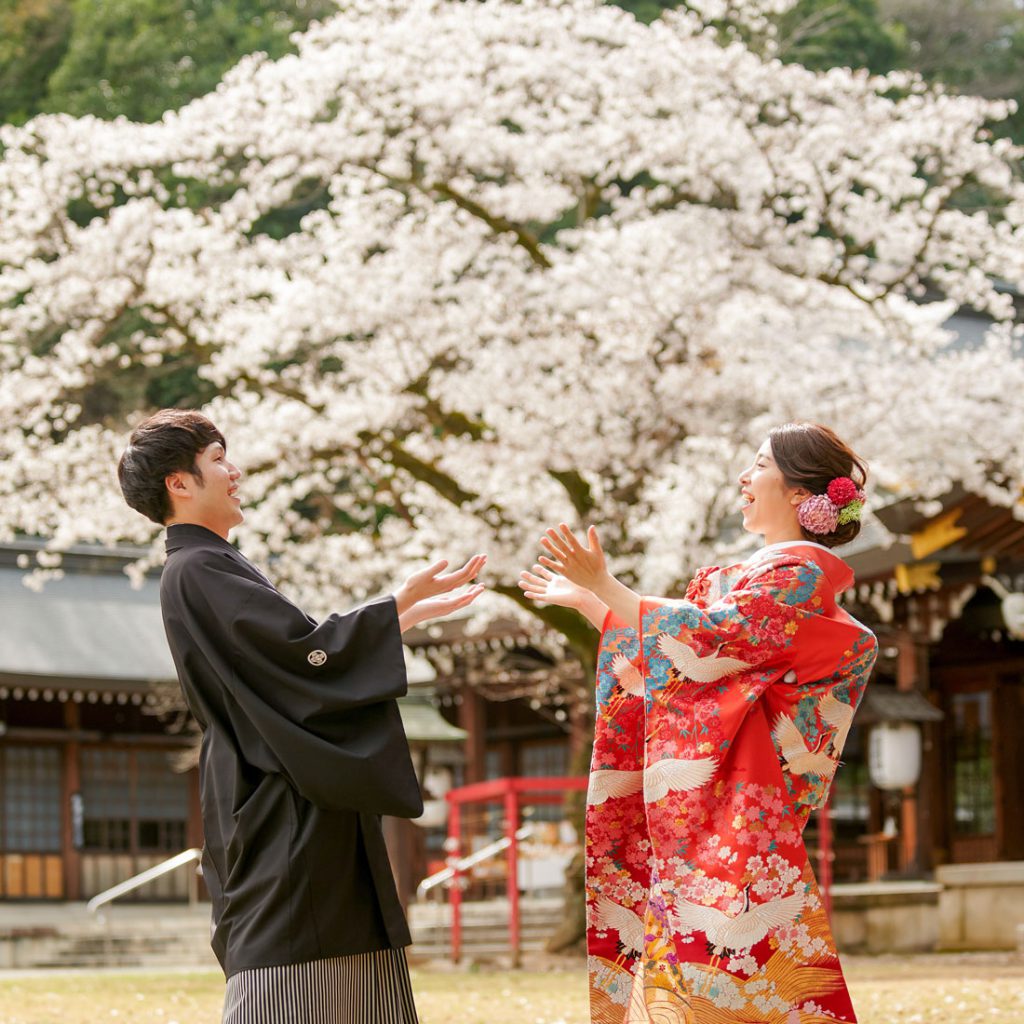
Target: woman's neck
{"type": "Point", "coordinates": [783, 537]}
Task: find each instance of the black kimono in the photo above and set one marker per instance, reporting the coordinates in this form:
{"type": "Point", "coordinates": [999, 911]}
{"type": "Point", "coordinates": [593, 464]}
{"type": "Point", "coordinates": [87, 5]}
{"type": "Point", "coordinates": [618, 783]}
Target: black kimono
{"type": "Point", "coordinates": [302, 751]}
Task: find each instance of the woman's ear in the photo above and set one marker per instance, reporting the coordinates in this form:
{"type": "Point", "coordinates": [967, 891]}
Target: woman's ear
{"type": "Point", "coordinates": [799, 496]}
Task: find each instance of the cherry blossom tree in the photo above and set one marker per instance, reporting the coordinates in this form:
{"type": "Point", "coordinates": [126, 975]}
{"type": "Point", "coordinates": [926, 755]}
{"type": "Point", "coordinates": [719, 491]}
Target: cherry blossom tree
{"type": "Point", "coordinates": [455, 271]}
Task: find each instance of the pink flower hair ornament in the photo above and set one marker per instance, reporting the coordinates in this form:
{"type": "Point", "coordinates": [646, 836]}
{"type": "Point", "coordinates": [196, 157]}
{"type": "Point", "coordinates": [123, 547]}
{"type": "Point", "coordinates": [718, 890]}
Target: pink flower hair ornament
{"type": "Point", "coordinates": [843, 502]}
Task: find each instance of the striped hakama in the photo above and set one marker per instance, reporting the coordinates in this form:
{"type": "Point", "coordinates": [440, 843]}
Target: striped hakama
{"type": "Point", "coordinates": [365, 988]}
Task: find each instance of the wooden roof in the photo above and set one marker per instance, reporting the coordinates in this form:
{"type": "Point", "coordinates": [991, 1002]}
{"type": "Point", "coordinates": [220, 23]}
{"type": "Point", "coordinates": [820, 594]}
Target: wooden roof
{"type": "Point", "coordinates": [966, 531]}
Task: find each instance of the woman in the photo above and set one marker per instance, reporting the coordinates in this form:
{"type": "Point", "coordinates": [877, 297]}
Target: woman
{"type": "Point", "coordinates": [720, 722]}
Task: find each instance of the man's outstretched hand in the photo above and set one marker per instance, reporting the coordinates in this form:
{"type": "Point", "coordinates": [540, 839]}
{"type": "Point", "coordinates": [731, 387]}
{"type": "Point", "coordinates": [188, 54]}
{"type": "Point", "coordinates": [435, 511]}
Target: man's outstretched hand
{"type": "Point", "coordinates": [429, 593]}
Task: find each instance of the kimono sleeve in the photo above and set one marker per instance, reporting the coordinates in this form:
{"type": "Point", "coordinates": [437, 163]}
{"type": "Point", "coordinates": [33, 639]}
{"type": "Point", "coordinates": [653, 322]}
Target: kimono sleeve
{"type": "Point", "coordinates": [754, 625]}
{"type": "Point", "coordinates": [619, 723]}
{"type": "Point", "coordinates": [322, 698]}
{"type": "Point", "coordinates": [618, 663]}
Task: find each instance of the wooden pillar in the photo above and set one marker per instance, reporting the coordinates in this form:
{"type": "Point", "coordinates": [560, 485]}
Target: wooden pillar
{"type": "Point", "coordinates": [509, 759]}
{"type": "Point", "coordinates": [915, 805]}
{"type": "Point", "coordinates": [404, 842]}
{"type": "Point", "coordinates": [473, 718]}
{"type": "Point", "coordinates": [454, 848]}
{"type": "Point", "coordinates": [1008, 763]}
{"type": "Point", "coordinates": [511, 827]}
{"type": "Point", "coordinates": [72, 784]}
{"type": "Point", "coordinates": [581, 739]}
{"type": "Point", "coordinates": [194, 825]}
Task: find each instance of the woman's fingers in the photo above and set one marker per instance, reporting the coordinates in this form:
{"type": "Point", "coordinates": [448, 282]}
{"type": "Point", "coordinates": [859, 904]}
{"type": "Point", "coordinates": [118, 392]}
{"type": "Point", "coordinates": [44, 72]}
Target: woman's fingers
{"type": "Point", "coordinates": [543, 573]}
{"type": "Point", "coordinates": [569, 538]}
{"type": "Point", "coordinates": [554, 542]}
{"type": "Point", "coordinates": [558, 567]}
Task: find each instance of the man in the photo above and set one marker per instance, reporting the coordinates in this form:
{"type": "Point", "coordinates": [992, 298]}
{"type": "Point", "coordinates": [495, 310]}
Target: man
{"type": "Point", "coordinates": [302, 749]}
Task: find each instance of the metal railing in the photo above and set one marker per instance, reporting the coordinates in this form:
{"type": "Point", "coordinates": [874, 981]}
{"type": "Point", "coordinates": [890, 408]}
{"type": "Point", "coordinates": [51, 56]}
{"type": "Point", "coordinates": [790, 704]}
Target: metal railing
{"type": "Point", "coordinates": [484, 853]}
{"type": "Point", "coordinates": [143, 877]}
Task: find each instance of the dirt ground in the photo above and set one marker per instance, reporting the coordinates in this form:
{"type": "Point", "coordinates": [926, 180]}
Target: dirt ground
{"type": "Point", "coordinates": [950, 989]}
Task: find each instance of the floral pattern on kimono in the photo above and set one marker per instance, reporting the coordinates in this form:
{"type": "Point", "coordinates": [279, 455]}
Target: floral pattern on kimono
{"type": "Point", "coordinates": [720, 721]}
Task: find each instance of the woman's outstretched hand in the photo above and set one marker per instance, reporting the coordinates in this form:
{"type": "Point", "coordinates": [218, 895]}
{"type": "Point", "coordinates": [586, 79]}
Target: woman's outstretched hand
{"type": "Point", "coordinates": [582, 564]}
{"type": "Point", "coordinates": [547, 587]}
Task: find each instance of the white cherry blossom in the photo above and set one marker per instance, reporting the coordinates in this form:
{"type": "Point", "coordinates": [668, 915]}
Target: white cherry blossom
{"type": "Point", "coordinates": [555, 265]}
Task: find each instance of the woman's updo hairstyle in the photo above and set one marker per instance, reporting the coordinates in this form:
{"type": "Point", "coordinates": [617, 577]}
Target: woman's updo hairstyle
{"type": "Point", "coordinates": [811, 456]}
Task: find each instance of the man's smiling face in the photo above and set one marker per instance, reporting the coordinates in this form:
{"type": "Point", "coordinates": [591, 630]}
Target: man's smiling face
{"type": "Point", "coordinates": [210, 499]}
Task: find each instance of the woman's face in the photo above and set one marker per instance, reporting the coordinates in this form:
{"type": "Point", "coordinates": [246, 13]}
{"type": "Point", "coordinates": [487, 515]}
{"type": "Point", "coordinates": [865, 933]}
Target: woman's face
{"type": "Point", "coordinates": [769, 504]}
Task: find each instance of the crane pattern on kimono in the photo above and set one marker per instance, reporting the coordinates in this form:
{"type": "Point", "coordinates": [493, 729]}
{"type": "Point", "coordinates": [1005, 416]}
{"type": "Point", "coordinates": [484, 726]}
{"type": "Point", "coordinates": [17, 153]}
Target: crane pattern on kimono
{"type": "Point", "coordinates": [656, 781]}
{"type": "Point", "coordinates": [689, 665]}
{"type": "Point", "coordinates": [727, 935]}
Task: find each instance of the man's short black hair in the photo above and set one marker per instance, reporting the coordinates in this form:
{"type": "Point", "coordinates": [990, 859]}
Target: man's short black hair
{"type": "Point", "coordinates": [168, 442]}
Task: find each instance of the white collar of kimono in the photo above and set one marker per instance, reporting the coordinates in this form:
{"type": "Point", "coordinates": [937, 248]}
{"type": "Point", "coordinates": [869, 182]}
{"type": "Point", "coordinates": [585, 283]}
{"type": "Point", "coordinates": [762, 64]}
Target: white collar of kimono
{"type": "Point", "coordinates": [769, 549]}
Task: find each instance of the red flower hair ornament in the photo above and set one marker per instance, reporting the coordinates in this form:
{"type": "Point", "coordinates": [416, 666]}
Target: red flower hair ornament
{"type": "Point", "coordinates": [842, 502]}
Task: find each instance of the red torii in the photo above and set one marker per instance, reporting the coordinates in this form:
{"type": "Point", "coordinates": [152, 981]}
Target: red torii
{"type": "Point", "coordinates": [545, 790]}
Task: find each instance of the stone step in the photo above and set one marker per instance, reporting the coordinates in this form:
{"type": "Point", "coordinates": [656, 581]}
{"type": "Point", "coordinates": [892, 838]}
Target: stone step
{"type": "Point", "coordinates": [131, 947]}
{"type": "Point", "coordinates": [137, 936]}
{"type": "Point", "coordinates": [98, 962]}
{"type": "Point", "coordinates": [471, 951]}
{"type": "Point", "coordinates": [487, 910]}
{"type": "Point", "coordinates": [484, 928]}
{"type": "Point", "coordinates": [122, 946]}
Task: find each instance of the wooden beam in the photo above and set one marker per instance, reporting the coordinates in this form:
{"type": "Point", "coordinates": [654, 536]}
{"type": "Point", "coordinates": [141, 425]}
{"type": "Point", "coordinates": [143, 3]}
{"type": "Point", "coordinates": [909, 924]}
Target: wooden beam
{"type": "Point", "coordinates": [473, 718]}
{"type": "Point", "coordinates": [72, 784]}
{"type": "Point", "coordinates": [914, 576]}
{"type": "Point", "coordinates": [1012, 538]}
{"type": "Point", "coordinates": [980, 535]}
{"type": "Point", "coordinates": [937, 534]}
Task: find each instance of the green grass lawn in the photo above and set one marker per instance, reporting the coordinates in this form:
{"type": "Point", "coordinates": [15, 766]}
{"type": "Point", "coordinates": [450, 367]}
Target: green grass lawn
{"type": "Point", "coordinates": [920, 990]}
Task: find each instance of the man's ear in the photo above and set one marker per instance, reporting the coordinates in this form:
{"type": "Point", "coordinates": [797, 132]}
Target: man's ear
{"type": "Point", "coordinates": [176, 485]}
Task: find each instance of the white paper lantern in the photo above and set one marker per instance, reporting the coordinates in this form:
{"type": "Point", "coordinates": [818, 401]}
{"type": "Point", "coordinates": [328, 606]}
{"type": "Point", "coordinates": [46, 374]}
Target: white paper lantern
{"type": "Point", "coordinates": [1013, 615]}
{"type": "Point", "coordinates": [437, 780]}
{"type": "Point", "coordinates": [894, 755]}
{"type": "Point", "coordinates": [435, 814]}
